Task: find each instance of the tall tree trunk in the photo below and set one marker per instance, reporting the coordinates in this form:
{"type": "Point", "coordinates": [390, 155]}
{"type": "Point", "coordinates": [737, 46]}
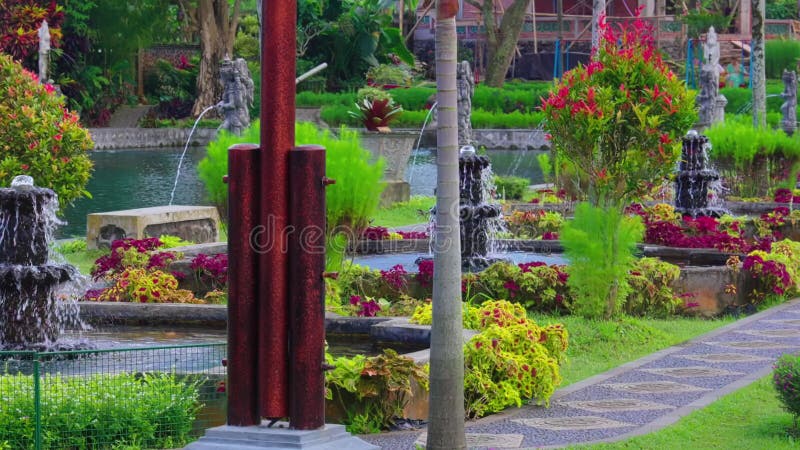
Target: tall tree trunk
{"type": "Point", "coordinates": [759, 72]}
{"type": "Point", "coordinates": [502, 38]}
{"type": "Point", "coordinates": [446, 416]}
{"type": "Point", "coordinates": [217, 26]}
{"type": "Point", "coordinates": [598, 9]}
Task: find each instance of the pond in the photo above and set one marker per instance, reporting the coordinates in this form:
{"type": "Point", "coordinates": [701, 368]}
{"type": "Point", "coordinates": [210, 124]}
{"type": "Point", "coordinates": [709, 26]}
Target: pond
{"type": "Point", "coordinates": [140, 178]}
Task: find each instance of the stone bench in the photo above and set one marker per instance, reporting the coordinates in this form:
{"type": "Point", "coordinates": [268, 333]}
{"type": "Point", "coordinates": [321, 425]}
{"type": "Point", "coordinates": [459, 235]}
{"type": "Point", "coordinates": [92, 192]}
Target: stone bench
{"type": "Point", "coordinates": [199, 224]}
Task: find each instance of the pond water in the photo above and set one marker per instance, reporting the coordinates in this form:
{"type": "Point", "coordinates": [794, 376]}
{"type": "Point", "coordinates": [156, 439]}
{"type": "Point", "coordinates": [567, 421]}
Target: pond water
{"type": "Point", "coordinates": [140, 178]}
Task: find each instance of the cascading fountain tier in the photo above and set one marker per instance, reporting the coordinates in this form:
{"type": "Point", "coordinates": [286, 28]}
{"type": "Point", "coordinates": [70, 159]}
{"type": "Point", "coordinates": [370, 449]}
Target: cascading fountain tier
{"type": "Point", "coordinates": [694, 178]}
{"type": "Point", "coordinates": [31, 316]}
{"type": "Point", "coordinates": [477, 216]}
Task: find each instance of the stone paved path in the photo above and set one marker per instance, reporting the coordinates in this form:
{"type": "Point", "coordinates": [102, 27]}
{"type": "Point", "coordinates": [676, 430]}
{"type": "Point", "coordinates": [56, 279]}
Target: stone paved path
{"type": "Point", "coordinates": [641, 396]}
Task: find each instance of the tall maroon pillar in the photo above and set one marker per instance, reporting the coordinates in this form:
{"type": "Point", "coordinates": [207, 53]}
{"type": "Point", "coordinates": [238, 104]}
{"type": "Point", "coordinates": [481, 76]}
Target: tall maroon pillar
{"type": "Point", "coordinates": [277, 138]}
{"type": "Point", "coordinates": [243, 176]}
{"type": "Point", "coordinates": [307, 287]}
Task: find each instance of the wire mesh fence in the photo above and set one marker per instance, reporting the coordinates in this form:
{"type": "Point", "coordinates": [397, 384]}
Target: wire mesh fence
{"type": "Point", "coordinates": [137, 398]}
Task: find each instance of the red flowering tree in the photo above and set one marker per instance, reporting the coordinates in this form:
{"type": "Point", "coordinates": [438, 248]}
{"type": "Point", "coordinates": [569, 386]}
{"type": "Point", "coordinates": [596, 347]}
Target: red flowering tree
{"type": "Point", "coordinates": [39, 136]}
{"type": "Point", "coordinates": [19, 24]}
{"type": "Point", "coordinates": [619, 119]}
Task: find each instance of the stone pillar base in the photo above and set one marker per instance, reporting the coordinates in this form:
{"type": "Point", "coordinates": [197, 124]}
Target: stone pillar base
{"type": "Point", "coordinates": [333, 437]}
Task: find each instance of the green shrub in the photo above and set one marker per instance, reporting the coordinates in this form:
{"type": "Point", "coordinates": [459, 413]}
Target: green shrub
{"type": "Point", "coordinates": [413, 98]}
{"type": "Point", "coordinates": [338, 115]}
{"type": "Point", "coordinates": [780, 54]}
{"type": "Point", "coordinates": [781, 9]}
{"type": "Point", "coordinates": [99, 411]}
{"type": "Point", "coordinates": [391, 74]}
{"type": "Point", "coordinates": [524, 98]}
{"type": "Point", "coordinates": [412, 119]}
{"type": "Point", "coordinates": [511, 188]}
{"type": "Point", "coordinates": [39, 137]}
{"type": "Point", "coordinates": [786, 379]}
{"type": "Point", "coordinates": [600, 245]}
{"type": "Point", "coordinates": [314, 99]}
{"type": "Point", "coordinates": [753, 161]}
{"type": "Point", "coordinates": [511, 360]}
{"type": "Point", "coordinates": [487, 119]}
{"type": "Point", "coordinates": [350, 202]}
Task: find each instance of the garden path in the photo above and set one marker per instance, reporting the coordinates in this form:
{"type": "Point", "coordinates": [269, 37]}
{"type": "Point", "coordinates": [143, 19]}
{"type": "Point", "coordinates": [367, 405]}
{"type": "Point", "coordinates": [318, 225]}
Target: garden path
{"type": "Point", "coordinates": [641, 396]}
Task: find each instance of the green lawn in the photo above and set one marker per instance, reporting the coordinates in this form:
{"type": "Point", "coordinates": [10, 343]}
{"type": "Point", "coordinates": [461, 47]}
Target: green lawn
{"type": "Point", "coordinates": [416, 210]}
{"type": "Point", "coordinates": [748, 419]}
{"type": "Point", "coordinates": [597, 346]}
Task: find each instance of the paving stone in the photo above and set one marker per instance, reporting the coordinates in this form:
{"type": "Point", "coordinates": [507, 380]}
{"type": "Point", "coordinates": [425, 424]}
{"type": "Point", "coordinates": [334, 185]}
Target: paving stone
{"type": "Point", "coordinates": [484, 440]}
{"type": "Point", "coordinates": [616, 404]}
{"type": "Point", "coordinates": [691, 372]}
{"type": "Point", "coordinates": [755, 345]}
{"type": "Point", "coordinates": [654, 387]}
{"type": "Point", "coordinates": [782, 333]}
{"type": "Point", "coordinates": [573, 423]}
{"type": "Point", "coordinates": [783, 321]}
{"type": "Point", "coordinates": [723, 357]}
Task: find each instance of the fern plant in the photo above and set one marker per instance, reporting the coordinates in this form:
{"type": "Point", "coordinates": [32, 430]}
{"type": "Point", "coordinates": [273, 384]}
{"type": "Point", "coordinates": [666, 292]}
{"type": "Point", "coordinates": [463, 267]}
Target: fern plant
{"type": "Point", "coordinates": [600, 245]}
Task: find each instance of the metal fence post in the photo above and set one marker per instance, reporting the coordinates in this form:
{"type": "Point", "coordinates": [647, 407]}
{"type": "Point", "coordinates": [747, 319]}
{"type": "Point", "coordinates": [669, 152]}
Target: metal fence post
{"type": "Point", "coordinates": [37, 405]}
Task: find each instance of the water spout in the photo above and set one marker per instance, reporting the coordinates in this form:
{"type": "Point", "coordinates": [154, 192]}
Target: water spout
{"type": "Point", "coordinates": [419, 140]}
{"type": "Point", "coordinates": [183, 154]}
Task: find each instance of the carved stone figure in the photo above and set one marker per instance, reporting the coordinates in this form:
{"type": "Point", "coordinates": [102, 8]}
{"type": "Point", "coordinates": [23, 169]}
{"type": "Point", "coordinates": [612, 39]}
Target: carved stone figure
{"type": "Point", "coordinates": [710, 101]}
{"type": "Point", "coordinates": [706, 99]}
{"type": "Point", "coordinates": [789, 106]}
{"type": "Point", "coordinates": [466, 88]}
{"type": "Point", "coordinates": [44, 51]}
{"type": "Point", "coordinates": [237, 96]}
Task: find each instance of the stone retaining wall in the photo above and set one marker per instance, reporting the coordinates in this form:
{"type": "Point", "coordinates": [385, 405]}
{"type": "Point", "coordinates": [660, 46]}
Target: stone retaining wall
{"type": "Point", "coordinates": [117, 138]}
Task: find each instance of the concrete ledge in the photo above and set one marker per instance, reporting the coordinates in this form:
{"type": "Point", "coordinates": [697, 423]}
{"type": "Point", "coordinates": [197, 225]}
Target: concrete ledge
{"type": "Point", "coordinates": [497, 139]}
{"type": "Point", "coordinates": [113, 313]}
{"type": "Point", "coordinates": [198, 224]}
{"type": "Point", "coordinates": [278, 437]}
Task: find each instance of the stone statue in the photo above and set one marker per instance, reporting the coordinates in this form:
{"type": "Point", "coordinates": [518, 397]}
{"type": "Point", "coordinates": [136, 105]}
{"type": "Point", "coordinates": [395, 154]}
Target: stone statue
{"type": "Point", "coordinates": [789, 106]}
{"type": "Point", "coordinates": [709, 100]}
{"type": "Point", "coordinates": [706, 98]}
{"type": "Point", "coordinates": [466, 89]}
{"type": "Point", "coordinates": [44, 51]}
{"type": "Point", "coordinates": [237, 96]}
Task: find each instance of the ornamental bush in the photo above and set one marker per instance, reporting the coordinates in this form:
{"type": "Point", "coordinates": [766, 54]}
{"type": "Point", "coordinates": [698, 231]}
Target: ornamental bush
{"type": "Point", "coordinates": [39, 136]}
{"type": "Point", "coordinates": [619, 119]}
{"type": "Point", "coordinates": [786, 379]}
{"type": "Point", "coordinates": [510, 361]}
{"type": "Point", "coordinates": [141, 410]}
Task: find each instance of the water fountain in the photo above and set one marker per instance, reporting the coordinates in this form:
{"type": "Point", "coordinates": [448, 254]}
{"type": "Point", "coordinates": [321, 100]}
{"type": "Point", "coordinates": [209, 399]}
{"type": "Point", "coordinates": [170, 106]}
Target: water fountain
{"type": "Point", "coordinates": [478, 217]}
{"type": "Point", "coordinates": [31, 315]}
{"type": "Point", "coordinates": [694, 178]}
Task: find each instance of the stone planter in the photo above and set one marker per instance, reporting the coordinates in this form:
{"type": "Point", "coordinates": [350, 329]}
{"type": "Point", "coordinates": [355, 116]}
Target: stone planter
{"type": "Point", "coordinates": [395, 148]}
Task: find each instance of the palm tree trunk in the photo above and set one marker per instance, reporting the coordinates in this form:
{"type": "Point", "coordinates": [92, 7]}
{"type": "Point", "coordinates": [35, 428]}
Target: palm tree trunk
{"type": "Point", "coordinates": [598, 8]}
{"type": "Point", "coordinates": [446, 416]}
{"type": "Point", "coordinates": [759, 73]}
